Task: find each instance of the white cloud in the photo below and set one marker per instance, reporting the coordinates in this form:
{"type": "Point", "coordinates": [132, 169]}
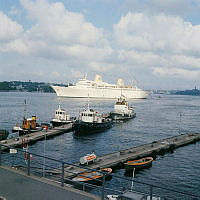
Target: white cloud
{"type": "Point", "coordinates": [101, 66]}
{"type": "Point", "coordinates": [58, 34]}
{"type": "Point", "coordinates": [159, 33]}
{"type": "Point", "coordinates": [57, 74]}
{"type": "Point", "coordinates": [176, 73]}
{"type": "Point", "coordinates": [139, 42]}
{"type": "Point", "coordinates": [168, 7]}
{"type": "Point", "coordinates": [76, 74]}
{"type": "Point", "coordinates": [58, 25]}
{"type": "Point", "coordinates": [61, 34]}
{"type": "Point", "coordinates": [10, 29]}
{"type": "Point", "coordinates": [134, 57]}
{"type": "Point", "coordinates": [16, 45]}
{"type": "Point", "coordinates": [186, 61]}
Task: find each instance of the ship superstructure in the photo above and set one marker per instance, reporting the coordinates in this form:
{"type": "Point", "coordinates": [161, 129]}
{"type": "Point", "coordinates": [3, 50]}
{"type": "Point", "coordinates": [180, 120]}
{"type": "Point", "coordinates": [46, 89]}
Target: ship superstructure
{"type": "Point", "coordinates": [99, 89]}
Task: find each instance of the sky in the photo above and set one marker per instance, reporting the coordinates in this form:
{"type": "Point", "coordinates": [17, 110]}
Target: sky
{"type": "Point", "coordinates": [154, 44]}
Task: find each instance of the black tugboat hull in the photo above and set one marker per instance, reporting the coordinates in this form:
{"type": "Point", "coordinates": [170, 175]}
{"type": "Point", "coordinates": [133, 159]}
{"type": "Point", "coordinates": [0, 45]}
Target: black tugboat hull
{"type": "Point", "coordinates": [56, 124]}
{"type": "Point", "coordinates": [117, 116]}
{"type": "Point", "coordinates": [87, 127]}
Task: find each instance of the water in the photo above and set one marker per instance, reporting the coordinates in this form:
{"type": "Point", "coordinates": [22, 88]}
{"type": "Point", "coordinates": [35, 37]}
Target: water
{"type": "Point", "coordinates": [156, 118]}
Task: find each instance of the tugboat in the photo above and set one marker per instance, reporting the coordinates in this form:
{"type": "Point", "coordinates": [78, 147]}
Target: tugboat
{"type": "Point", "coordinates": [61, 118]}
{"type": "Point", "coordinates": [3, 134]}
{"type": "Point", "coordinates": [90, 121]}
{"type": "Point", "coordinates": [29, 125]}
{"type": "Point", "coordinates": [121, 110]}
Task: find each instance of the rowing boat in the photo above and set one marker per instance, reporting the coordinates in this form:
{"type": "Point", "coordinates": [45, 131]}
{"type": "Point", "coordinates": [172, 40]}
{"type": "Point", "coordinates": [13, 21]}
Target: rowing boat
{"type": "Point", "coordinates": [138, 164]}
{"type": "Point", "coordinates": [92, 176]}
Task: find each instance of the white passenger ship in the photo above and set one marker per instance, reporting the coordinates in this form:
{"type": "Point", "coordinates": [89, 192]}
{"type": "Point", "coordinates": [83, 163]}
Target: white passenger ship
{"type": "Point", "coordinates": [99, 89]}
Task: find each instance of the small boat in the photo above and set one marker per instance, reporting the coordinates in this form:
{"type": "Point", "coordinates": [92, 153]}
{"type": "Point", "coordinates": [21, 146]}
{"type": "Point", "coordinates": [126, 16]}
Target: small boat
{"type": "Point", "coordinates": [3, 134]}
{"type": "Point", "coordinates": [88, 158]}
{"type": "Point", "coordinates": [131, 194]}
{"type": "Point", "coordinates": [29, 125]}
{"type": "Point", "coordinates": [139, 164]}
{"type": "Point", "coordinates": [90, 121]}
{"type": "Point", "coordinates": [92, 176]}
{"type": "Point", "coordinates": [61, 118]}
{"type": "Point", "coordinates": [122, 111]}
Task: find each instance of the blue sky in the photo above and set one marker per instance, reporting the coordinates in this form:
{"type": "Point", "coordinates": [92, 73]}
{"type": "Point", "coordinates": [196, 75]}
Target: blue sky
{"type": "Point", "coordinates": [154, 44]}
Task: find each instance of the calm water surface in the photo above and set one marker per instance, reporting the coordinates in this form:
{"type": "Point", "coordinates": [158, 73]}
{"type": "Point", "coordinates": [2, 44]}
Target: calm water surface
{"type": "Point", "coordinates": [156, 118]}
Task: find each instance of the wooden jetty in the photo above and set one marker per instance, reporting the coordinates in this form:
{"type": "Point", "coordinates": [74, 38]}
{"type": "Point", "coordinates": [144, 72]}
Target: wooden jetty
{"type": "Point", "coordinates": [33, 137]}
{"type": "Point", "coordinates": [117, 158]}
{"type": "Point", "coordinates": [110, 160]}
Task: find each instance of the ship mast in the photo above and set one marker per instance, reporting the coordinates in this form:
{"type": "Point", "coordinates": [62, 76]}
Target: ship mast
{"type": "Point", "coordinates": [88, 106]}
{"type": "Point", "coordinates": [85, 76]}
{"type": "Point", "coordinates": [24, 108]}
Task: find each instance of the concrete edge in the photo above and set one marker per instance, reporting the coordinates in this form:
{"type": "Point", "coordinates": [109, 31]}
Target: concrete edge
{"type": "Point", "coordinates": [53, 183]}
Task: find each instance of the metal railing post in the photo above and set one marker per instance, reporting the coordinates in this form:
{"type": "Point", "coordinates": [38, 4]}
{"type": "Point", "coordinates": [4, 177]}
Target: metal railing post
{"type": "Point", "coordinates": [44, 158]}
{"type": "Point", "coordinates": [63, 174]}
{"type": "Point", "coordinates": [28, 164]}
{"type": "Point", "coordinates": [151, 192]}
{"type": "Point", "coordinates": [103, 186]}
{"type": "Point", "coordinates": [0, 154]}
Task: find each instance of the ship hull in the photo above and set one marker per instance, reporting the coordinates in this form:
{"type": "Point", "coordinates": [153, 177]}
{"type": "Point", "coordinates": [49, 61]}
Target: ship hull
{"type": "Point", "coordinates": [99, 93]}
{"type": "Point", "coordinates": [119, 116]}
{"type": "Point", "coordinates": [81, 127]}
{"type": "Point", "coordinates": [25, 131]}
{"type": "Point", "coordinates": [59, 123]}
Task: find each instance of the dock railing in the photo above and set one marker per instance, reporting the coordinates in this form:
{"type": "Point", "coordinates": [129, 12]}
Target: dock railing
{"type": "Point", "coordinates": [55, 170]}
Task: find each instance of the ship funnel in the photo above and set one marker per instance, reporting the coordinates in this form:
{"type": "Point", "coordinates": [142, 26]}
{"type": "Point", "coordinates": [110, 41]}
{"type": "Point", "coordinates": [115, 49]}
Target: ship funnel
{"type": "Point", "coordinates": [120, 82]}
{"type": "Point", "coordinates": [98, 78]}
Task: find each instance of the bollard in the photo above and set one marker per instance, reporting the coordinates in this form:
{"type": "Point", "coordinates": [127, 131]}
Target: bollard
{"type": "Point", "coordinates": [103, 187]}
{"type": "Point", "coordinates": [151, 192]}
{"type": "Point", "coordinates": [63, 174]}
{"type": "Point", "coordinates": [28, 164]}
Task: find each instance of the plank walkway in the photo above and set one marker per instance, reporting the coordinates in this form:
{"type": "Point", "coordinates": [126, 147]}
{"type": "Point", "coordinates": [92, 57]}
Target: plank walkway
{"type": "Point", "coordinates": [112, 159]}
{"type": "Point", "coordinates": [117, 158]}
{"type": "Point", "coordinates": [33, 137]}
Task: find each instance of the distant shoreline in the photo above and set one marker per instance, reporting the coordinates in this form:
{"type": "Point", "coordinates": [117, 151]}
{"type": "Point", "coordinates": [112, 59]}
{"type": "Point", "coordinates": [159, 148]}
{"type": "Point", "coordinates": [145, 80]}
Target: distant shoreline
{"type": "Point", "coordinates": [25, 91]}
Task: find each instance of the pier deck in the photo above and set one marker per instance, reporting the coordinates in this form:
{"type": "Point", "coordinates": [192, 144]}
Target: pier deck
{"type": "Point", "coordinates": [33, 137]}
{"type": "Point", "coordinates": [117, 158]}
{"type": "Point", "coordinates": [17, 185]}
